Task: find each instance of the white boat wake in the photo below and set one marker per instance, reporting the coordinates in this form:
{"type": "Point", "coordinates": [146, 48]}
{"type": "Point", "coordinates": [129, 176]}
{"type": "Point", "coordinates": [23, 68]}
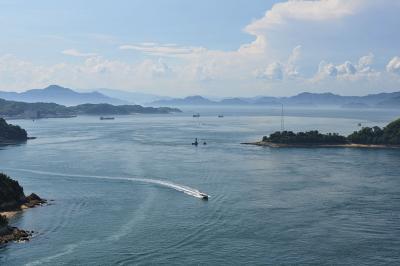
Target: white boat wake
{"type": "Point", "coordinates": [181, 188]}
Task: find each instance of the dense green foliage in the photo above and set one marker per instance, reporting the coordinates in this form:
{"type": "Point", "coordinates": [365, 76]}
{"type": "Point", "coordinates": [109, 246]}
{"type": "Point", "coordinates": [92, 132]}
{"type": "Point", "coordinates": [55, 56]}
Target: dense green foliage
{"type": "Point", "coordinates": [32, 110]}
{"type": "Point", "coordinates": [11, 193]}
{"type": "Point", "coordinates": [3, 221]}
{"type": "Point", "coordinates": [310, 137]}
{"type": "Point", "coordinates": [45, 110]}
{"type": "Point", "coordinates": [388, 135]}
{"type": "Point", "coordinates": [10, 132]}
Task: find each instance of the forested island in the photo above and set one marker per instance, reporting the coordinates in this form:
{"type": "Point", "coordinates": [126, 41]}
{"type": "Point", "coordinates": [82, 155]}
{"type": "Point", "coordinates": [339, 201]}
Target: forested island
{"type": "Point", "coordinates": [24, 110]}
{"type": "Point", "coordinates": [374, 137]}
{"type": "Point", "coordinates": [13, 199]}
{"type": "Point", "coordinates": [11, 134]}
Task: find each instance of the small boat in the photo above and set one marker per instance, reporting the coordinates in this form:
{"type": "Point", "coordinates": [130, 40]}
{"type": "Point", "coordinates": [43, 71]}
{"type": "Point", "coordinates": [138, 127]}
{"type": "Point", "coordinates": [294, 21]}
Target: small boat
{"type": "Point", "coordinates": [195, 143]}
{"type": "Point", "coordinates": [196, 115]}
{"type": "Point", "coordinates": [220, 116]}
{"type": "Point", "coordinates": [204, 196]}
{"type": "Point", "coordinates": [106, 118]}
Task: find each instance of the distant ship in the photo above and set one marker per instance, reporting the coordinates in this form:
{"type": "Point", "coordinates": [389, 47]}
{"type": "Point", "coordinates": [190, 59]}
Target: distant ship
{"type": "Point", "coordinates": [196, 115]}
{"type": "Point", "coordinates": [204, 196]}
{"type": "Point", "coordinates": [220, 116]}
{"type": "Point", "coordinates": [106, 118]}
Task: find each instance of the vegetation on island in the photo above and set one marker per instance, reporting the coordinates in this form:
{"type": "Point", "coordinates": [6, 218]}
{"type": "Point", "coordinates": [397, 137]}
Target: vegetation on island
{"type": "Point", "coordinates": [11, 194]}
{"type": "Point", "coordinates": [309, 137]}
{"type": "Point", "coordinates": [3, 221]}
{"type": "Point", "coordinates": [11, 133]}
{"type": "Point", "coordinates": [108, 109]}
{"type": "Point", "coordinates": [389, 135]}
{"type": "Point", "coordinates": [32, 110]}
{"type": "Point", "coordinates": [24, 110]}
{"type": "Point", "coordinates": [12, 198]}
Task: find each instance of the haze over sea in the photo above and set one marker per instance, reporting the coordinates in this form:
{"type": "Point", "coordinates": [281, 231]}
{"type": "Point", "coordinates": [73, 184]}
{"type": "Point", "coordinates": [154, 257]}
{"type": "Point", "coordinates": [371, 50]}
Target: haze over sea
{"type": "Point", "coordinates": [118, 189]}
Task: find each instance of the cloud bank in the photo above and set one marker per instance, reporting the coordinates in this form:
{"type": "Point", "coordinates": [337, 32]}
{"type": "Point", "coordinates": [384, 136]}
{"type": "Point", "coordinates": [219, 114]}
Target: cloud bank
{"type": "Point", "coordinates": [298, 45]}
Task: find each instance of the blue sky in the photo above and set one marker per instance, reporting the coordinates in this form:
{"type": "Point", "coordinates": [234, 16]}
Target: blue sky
{"type": "Point", "coordinates": [37, 28]}
{"type": "Point", "coordinates": [221, 48]}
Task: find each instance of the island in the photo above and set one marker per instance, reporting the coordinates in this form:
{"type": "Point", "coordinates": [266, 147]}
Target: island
{"type": "Point", "coordinates": [25, 110]}
{"type": "Point", "coordinates": [12, 200]}
{"type": "Point", "coordinates": [10, 134]}
{"type": "Point", "coordinates": [375, 137]}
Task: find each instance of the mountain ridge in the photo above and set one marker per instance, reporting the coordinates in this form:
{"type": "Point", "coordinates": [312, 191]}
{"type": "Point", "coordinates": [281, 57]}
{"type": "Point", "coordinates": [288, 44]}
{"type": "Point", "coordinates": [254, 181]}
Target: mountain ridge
{"type": "Point", "coordinates": [60, 95]}
{"type": "Point", "coordinates": [380, 100]}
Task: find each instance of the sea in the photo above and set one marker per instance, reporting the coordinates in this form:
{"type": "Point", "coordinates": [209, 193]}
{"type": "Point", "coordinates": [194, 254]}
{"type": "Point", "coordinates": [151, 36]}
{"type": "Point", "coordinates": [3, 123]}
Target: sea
{"type": "Point", "coordinates": [127, 191]}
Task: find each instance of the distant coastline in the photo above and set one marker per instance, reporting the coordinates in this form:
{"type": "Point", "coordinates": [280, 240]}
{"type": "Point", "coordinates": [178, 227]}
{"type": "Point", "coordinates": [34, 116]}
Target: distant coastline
{"type": "Point", "coordinates": [40, 110]}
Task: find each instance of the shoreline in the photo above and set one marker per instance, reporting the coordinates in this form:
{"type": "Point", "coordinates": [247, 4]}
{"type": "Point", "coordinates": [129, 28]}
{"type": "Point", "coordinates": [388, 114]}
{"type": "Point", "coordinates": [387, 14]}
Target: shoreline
{"type": "Point", "coordinates": [350, 145]}
{"type": "Point", "coordinates": [31, 204]}
{"type": "Point", "coordinates": [10, 233]}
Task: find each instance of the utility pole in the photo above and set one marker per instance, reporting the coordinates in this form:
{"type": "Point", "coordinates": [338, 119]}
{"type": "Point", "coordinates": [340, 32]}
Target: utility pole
{"type": "Point", "coordinates": [282, 120]}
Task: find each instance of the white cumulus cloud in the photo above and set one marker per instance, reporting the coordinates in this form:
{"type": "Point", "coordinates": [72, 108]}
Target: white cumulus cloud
{"type": "Point", "coordinates": [394, 65]}
{"type": "Point", "coordinates": [303, 10]}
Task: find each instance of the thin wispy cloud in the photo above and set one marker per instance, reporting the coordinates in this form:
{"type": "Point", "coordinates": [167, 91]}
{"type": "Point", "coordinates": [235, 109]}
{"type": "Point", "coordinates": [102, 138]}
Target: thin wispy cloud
{"type": "Point", "coordinates": [76, 53]}
{"type": "Point", "coordinates": [152, 48]}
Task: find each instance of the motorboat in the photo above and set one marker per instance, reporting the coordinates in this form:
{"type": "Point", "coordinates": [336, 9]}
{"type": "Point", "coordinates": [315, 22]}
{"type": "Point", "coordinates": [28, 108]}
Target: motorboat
{"type": "Point", "coordinates": [204, 196]}
{"type": "Point", "coordinates": [196, 115]}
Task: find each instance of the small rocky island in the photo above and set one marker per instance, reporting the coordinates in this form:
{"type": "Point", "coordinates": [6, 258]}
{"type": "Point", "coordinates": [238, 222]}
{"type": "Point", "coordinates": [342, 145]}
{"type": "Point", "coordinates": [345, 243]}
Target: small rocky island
{"type": "Point", "coordinates": [12, 200]}
{"type": "Point", "coordinates": [375, 137]}
{"type": "Point", "coordinates": [10, 134]}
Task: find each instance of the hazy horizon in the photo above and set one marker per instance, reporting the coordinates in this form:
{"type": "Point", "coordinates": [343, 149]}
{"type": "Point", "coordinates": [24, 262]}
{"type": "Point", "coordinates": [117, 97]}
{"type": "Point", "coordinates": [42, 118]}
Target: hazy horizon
{"type": "Point", "coordinates": [210, 97]}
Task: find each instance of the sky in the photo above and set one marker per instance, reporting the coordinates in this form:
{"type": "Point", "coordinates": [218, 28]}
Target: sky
{"type": "Point", "coordinates": [207, 47]}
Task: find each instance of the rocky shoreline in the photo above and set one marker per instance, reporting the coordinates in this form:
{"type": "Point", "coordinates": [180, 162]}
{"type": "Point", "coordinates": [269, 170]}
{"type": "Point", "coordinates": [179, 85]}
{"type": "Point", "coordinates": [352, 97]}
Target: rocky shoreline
{"type": "Point", "coordinates": [12, 201]}
{"type": "Point", "coordinates": [321, 145]}
{"type": "Point", "coordinates": [14, 234]}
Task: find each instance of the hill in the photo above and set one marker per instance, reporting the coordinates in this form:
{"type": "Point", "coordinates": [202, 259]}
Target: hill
{"type": "Point", "coordinates": [13, 109]}
{"type": "Point", "coordinates": [381, 100]}
{"type": "Point", "coordinates": [23, 110]}
{"type": "Point", "coordinates": [10, 133]}
{"type": "Point", "coordinates": [390, 103]}
{"type": "Point", "coordinates": [12, 198]}
{"type": "Point", "coordinates": [387, 137]}
{"type": "Point", "coordinates": [132, 97]}
{"type": "Point", "coordinates": [11, 194]}
{"type": "Point", "coordinates": [190, 100]}
{"type": "Point", "coordinates": [108, 109]}
{"type": "Point", "coordinates": [59, 95]}
{"type": "Point", "coordinates": [233, 101]}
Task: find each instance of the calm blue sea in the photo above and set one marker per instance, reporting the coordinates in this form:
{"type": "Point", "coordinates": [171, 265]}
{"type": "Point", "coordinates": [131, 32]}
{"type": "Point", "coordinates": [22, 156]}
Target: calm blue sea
{"type": "Point", "coordinates": [125, 191]}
